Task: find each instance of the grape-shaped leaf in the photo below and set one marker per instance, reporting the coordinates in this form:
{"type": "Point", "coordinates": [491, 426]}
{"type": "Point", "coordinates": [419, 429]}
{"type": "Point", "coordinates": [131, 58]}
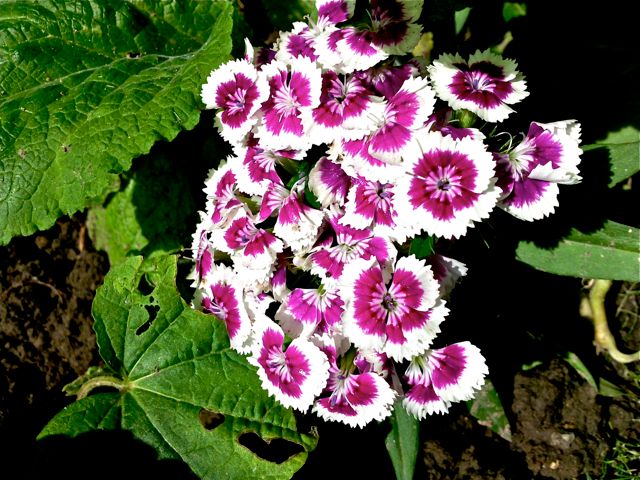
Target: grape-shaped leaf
{"type": "Point", "coordinates": [174, 365]}
{"type": "Point", "coordinates": [624, 153]}
{"type": "Point", "coordinates": [86, 86]}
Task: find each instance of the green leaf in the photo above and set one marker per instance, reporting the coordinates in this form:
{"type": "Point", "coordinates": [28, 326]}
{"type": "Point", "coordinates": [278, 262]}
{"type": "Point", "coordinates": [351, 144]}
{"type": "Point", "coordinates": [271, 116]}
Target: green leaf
{"type": "Point", "coordinates": [624, 153]}
{"type": "Point", "coordinates": [487, 408]}
{"type": "Point", "coordinates": [178, 364]}
{"type": "Point", "coordinates": [283, 14]}
{"type": "Point", "coordinates": [460, 18]}
{"type": "Point", "coordinates": [421, 247]}
{"type": "Point", "coordinates": [98, 412]}
{"type": "Point", "coordinates": [402, 442]}
{"type": "Point", "coordinates": [613, 252]}
{"type": "Point", "coordinates": [582, 370]}
{"type": "Point", "coordinates": [608, 389]}
{"type": "Point", "coordinates": [86, 86]}
{"type": "Point", "coordinates": [150, 216]}
{"type": "Point", "coordinates": [512, 10]}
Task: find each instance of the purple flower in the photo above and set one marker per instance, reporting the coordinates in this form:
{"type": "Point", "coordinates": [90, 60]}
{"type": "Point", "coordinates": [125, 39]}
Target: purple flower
{"type": "Point", "coordinates": [298, 224]}
{"type": "Point", "coordinates": [393, 25]}
{"type": "Point", "coordinates": [253, 249]}
{"type": "Point", "coordinates": [328, 261]}
{"type": "Point", "coordinates": [294, 376]}
{"type": "Point", "coordinates": [329, 182]}
{"type": "Point", "coordinates": [346, 110]}
{"type": "Point", "coordinates": [449, 184]}
{"type": "Point", "coordinates": [354, 399]}
{"type": "Point", "coordinates": [293, 91]}
{"type": "Point", "coordinates": [485, 85]}
{"type": "Point", "coordinates": [372, 205]}
{"type": "Point", "coordinates": [299, 42]}
{"type": "Point", "coordinates": [221, 188]}
{"type": "Point", "coordinates": [439, 377]}
{"type": "Point", "coordinates": [201, 251]}
{"type": "Point", "coordinates": [398, 314]}
{"type": "Point", "coordinates": [530, 173]}
{"type": "Point", "coordinates": [307, 311]}
{"type": "Point", "coordinates": [219, 295]}
{"type": "Point", "coordinates": [238, 91]}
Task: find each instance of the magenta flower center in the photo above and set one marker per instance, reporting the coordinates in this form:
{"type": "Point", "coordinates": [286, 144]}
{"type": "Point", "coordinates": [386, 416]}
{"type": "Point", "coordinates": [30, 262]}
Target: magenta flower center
{"type": "Point", "coordinates": [277, 362]}
{"type": "Point", "coordinates": [286, 103]}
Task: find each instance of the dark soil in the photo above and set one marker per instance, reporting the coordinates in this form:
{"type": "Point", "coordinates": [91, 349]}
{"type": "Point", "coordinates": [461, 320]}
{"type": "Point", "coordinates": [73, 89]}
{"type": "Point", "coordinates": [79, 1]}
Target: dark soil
{"type": "Point", "coordinates": [560, 427]}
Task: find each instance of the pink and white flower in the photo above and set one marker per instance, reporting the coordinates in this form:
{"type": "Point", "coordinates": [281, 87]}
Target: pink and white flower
{"type": "Point", "coordinates": [449, 186]}
{"type": "Point", "coordinates": [393, 25]}
{"type": "Point", "coordinates": [294, 92]}
{"type": "Point", "coordinates": [221, 189]}
{"type": "Point", "coordinates": [396, 313]}
{"type": "Point", "coordinates": [298, 224]}
{"type": "Point", "coordinates": [238, 90]}
{"type": "Point", "coordinates": [354, 399]}
{"type": "Point", "coordinates": [307, 311]}
{"type": "Point", "coordinates": [201, 251]}
{"type": "Point", "coordinates": [328, 261]}
{"type": "Point", "coordinates": [220, 295]}
{"type": "Point", "coordinates": [294, 375]}
{"type": "Point", "coordinates": [252, 249]}
{"type": "Point", "coordinates": [372, 205]}
{"type": "Point", "coordinates": [346, 110]}
{"type": "Point", "coordinates": [439, 377]}
{"type": "Point", "coordinates": [486, 84]}
{"type": "Point", "coordinates": [329, 182]}
{"type": "Point", "coordinates": [530, 173]}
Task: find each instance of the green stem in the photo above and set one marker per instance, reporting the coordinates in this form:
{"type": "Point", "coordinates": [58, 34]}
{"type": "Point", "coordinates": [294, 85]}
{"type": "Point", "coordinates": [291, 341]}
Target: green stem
{"type": "Point", "coordinates": [102, 381]}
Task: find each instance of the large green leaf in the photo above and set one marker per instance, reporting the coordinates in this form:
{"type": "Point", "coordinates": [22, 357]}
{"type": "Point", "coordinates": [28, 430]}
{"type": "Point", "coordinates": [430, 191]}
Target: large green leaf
{"type": "Point", "coordinates": [624, 153]}
{"type": "Point", "coordinates": [86, 86]}
{"type": "Point", "coordinates": [173, 367]}
{"type": "Point", "coordinates": [149, 216]}
{"type": "Point", "coordinates": [613, 252]}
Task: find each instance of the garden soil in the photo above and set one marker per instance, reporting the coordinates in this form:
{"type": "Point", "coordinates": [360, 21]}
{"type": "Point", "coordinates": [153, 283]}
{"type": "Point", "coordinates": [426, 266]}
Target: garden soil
{"type": "Point", "coordinates": [560, 427]}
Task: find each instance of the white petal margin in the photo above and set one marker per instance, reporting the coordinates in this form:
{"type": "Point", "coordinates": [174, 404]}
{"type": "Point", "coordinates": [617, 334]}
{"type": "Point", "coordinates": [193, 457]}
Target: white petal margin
{"type": "Point", "coordinates": [567, 132]}
{"type": "Point", "coordinates": [471, 377]}
{"type": "Point", "coordinates": [424, 274]}
{"type": "Point", "coordinates": [484, 185]}
{"type": "Point", "coordinates": [227, 73]}
{"type": "Point", "coordinates": [542, 207]}
{"type": "Point", "coordinates": [313, 384]}
{"type": "Point", "coordinates": [380, 409]}
{"type": "Point", "coordinates": [225, 278]}
{"type": "Point", "coordinates": [443, 70]}
{"type": "Point", "coordinates": [311, 73]}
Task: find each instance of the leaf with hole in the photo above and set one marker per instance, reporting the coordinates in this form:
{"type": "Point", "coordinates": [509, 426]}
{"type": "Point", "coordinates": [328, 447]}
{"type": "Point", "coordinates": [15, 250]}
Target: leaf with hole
{"type": "Point", "coordinates": [86, 86]}
{"type": "Point", "coordinates": [181, 387]}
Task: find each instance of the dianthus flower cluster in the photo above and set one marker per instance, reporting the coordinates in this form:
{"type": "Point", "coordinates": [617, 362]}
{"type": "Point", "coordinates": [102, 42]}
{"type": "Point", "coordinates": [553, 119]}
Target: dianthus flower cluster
{"type": "Point", "coordinates": [345, 151]}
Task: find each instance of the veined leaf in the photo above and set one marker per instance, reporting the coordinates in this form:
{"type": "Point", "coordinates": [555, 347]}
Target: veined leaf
{"type": "Point", "coordinates": [283, 14]}
{"type": "Point", "coordinates": [174, 363]}
{"type": "Point", "coordinates": [613, 252]}
{"type": "Point", "coordinates": [624, 153]}
{"type": "Point", "coordinates": [149, 216]}
{"type": "Point", "coordinates": [86, 86]}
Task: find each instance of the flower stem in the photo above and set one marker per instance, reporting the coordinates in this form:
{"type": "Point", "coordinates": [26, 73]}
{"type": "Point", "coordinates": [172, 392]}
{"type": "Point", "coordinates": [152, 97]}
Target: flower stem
{"type": "Point", "coordinates": [102, 381]}
{"type": "Point", "coordinates": [602, 335]}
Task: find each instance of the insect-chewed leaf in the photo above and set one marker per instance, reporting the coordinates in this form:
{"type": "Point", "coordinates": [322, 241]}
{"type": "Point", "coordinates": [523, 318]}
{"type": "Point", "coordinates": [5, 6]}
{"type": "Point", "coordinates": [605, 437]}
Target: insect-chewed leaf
{"type": "Point", "coordinates": [178, 366]}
